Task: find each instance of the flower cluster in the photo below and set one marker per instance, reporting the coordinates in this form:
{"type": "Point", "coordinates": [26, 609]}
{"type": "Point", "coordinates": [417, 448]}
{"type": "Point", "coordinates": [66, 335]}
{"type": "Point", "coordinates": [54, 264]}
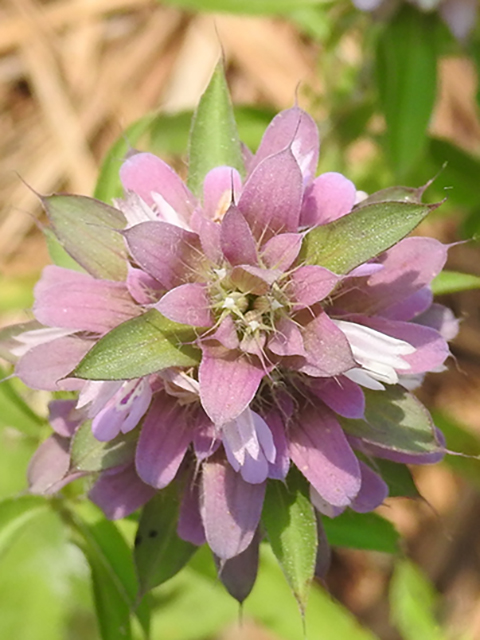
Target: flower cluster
{"type": "Point", "coordinates": [256, 359]}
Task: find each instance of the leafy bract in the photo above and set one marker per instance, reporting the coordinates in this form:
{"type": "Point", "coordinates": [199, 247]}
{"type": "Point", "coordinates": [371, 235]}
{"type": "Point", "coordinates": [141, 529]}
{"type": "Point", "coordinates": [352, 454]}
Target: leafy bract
{"type": "Point", "coordinates": [395, 420]}
{"type": "Point", "coordinates": [214, 138]}
{"type": "Point", "coordinates": [290, 523]}
{"type": "Point", "coordinates": [367, 531]}
{"type": "Point", "coordinates": [398, 477]}
{"type": "Point", "coordinates": [89, 454]}
{"type": "Point", "coordinates": [138, 347]}
{"type": "Point", "coordinates": [357, 237]}
{"type": "Point", "coordinates": [159, 552]}
{"type": "Point", "coordinates": [88, 230]}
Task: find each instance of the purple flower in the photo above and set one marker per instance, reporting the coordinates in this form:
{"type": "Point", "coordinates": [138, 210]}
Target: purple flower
{"type": "Point", "coordinates": [288, 360]}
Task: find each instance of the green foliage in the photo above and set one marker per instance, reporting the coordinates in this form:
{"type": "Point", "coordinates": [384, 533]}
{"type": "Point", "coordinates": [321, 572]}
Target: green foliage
{"type": "Point", "coordinates": [453, 281]}
{"type": "Point", "coordinates": [246, 6]}
{"type": "Point", "coordinates": [362, 531]}
{"type": "Point", "coordinates": [89, 454]}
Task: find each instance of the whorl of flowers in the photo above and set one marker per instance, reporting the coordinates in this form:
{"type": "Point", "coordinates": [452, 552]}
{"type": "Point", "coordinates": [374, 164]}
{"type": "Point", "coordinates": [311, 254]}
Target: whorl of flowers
{"type": "Point", "coordinates": [221, 338]}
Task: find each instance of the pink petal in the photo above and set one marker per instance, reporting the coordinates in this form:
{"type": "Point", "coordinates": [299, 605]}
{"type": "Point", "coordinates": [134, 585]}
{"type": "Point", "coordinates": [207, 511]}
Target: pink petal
{"type": "Point", "coordinates": [142, 287]}
{"type": "Point", "coordinates": [372, 492]}
{"type": "Point", "coordinates": [166, 433]}
{"type": "Point", "coordinates": [119, 493]}
{"type": "Point", "coordinates": [330, 197]}
{"type": "Point", "coordinates": [206, 440]}
{"type": "Point", "coordinates": [144, 174]}
{"type": "Point", "coordinates": [440, 318]}
{"type": "Point", "coordinates": [228, 383]}
{"type": "Point", "coordinates": [209, 233]}
{"type": "Point", "coordinates": [310, 284]}
{"type": "Point", "coordinates": [187, 304]}
{"type": "Point", "coordinates": [190, 526]}
{"type": "Point", "coordinates": [226, 333]}
{"type": "Point", "coordinates": [327, 348]}
{"type": "Point", "coordinates": [238, 244]}
{"type": "Point", "coordinates": [295, 129]}
{"type": "Point", "coordinates": [217, 191]}
{"type": "Point", "coordinates": [279, 468]}
{"type": "Point", "coordinates": [341, 395]}
{"type": "Point", "coordinates": [230, 509]}
{"type": "Point", "coordinates": [238, 574]}
{"type": "Point", "coordinates": [410, 307]}
{"type": "Point", "coordinates": [169, 254]}
{"type": "Point", "coordinates": [48, 470]}
{"type": "Point", "coordinates": [251, 279]}
{"type": "Point", "coordinates": [320, 450]}
{"type": "Point", "coordinates": [77, 301]}
{"type": "Point", "coordinates": [45, 367]}
{"type": "Point", "coordinates": [281, 251]}
{"type": "Point", "coordinates": [272, 196]}
{"type": "Point", "coordinates": [63, 417]}
{"type": "Point", "coordinates": [287, 339]}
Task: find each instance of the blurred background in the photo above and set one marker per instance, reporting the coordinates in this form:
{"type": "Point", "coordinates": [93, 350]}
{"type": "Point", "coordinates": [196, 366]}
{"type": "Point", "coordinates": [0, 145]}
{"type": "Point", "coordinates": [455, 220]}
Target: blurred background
{"type": "Point", "coordinates": [396, 102]}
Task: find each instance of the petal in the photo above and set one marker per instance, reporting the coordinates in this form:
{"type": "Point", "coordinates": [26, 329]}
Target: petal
{"type": "Point", "coordinates": [226, 333]}
{"type": "Point", "coordinates": [230, 508]}
{"type": "Point", "coordinates": [377, 451]}
{"type": "Point", "coordinates": [328, 350]}
{"type": "Point", "coordinates": [119, 493]}
{"type": "Point", "coordinates": [341, 395]}
{"type": "Point", "coordinates": [190, 526]}
{"type": "Point", "coordinates": [48, 470]}
{"type": "Point", "coordinates": [74, 300]}
{"type": "Point", "coordinates": [228, 383]}
{"type": "Point", "coordinates": [320, 450]}
{"type": "Point", "coordinates": [279, 468]}
{"type": "Point", "coordinates": [287, 339]}
{"type": "Point", "coordinates": [166, 252]}
{"type": "Point", "coordinates": [166, 433]}
{"type": "Point", "coordinates": [460, 15]}
{"type": "Point", "coordinates": [221, 187]}
{"type": "Point", "coordinates": [63, 417]}
{"type": "Point", "coordinates": [297, 130]}
{"type": "Point", "coordinates": [310, 284]}
{"type": "Point", "coordinates": [272, 196]}
{"type": "Point", "coordinates": [206, 440]}
{"type": "Point", "coordinates": [440, 318]}
{"type": "Point", "coordinates": [142, 287]}
{"type": "Point", "coordinates": [238, 574]}
{"type": "Point", "coordinates": [145, 174]}
{"type": "Point", "coordinates": [372, 492]}
{"type": "Point", "coordinates": [281, 251]}
{"type": "Point", "coordinates": [251, 279]}
{"type": "Point", "coordinates": [410, 307]}
{"type": "Point", "coordinates": [238, 243]}
{"type": "Point", "coordinates": [45, 367]}
{"type": "Point", "coordinates": [330, 197]}
{"type": "Point", "coordinates": [209, 233]}
{"type": "Point", "coordinates": [187, 304]}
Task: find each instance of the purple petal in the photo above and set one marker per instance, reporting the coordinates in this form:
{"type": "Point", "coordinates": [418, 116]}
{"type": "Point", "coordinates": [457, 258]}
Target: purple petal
{"type": "Point", "coordinates": [142, 287]}
{"type": "Point", "coordinates": [77, 301]}
{"type": "Point", "coordinates": [217, 191]}
{"type": "Point", "coordinates": [460, 16]}
{"type": "Point", "coordinates": [63, 417]}
{"type": "Point", "coordinates": [228, 383]}
{"type": "Point", "coordinates": [341, 395]}
{"type": "Point", "coordinates": [187, 304]}
{"type": "Point", "coordinates": [287, 339]}
{"type": "Point", "coordinates": [441, 319]}
{"type": "Point", "coordinates": [281, 251]}
{"type": "Point", "coordinates": [278, 469]}
{"type": "Point", "coordinates": [295, 129]}
{"type": "Point", "coordinates": [144, 174]}
{"type": "Point", "coordinates": [166, 433]}
{"type": "Point", "coordinates": [119, 493]}
{"type": "Point", "coordinates": [372, 492]}
{"type": "Point", "coordinates": [230, 509]}
{"type": "Point", "coordinates": [272, 196]}
{"type": "Point", "coordinates": [226, 333]}
{"type": "Point", "coordinates": [209, 233]}
{"type": "Point", "coordinates": [365, 269]}
{"type": "Point", "coordinates": [169, 254]}
{"type": "Point", "coordinates": [48, 470]}
{"type": "Point", "coordinates": [324, 507]}
{"type": "Point", "coordinates": [328, 350]}
{"type": "Point", "coordinates": [45, 367]}
{"type": "Point", "coordinates": [206, 440]}
{"type": "Point", "coordinates": [238, 243]}
{"type": "Point", "coordinates": [410, 307]}
{"type": "Point", "coordinates": [330, 197]}
{"type": "Point", "coordinates": [190, 526]}
{"type": "Point", "coordinates": [251, 279]}
{"type": "Point", "coordinates": [310, 284]}
{"type": "Point", "coordinates": [320, 450]}
{"type": "Point", "coordinates": [238, 574]}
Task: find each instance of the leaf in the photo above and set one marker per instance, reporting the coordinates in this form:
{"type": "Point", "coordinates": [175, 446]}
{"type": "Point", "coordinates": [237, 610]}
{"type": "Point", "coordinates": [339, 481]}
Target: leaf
{"type": "Point", "coordinates": [8, 337]}
{"type": "Point", "coordinates": [357, 237]}
{"type": "Point", "coordinates": [159, 552]}
{"type": "Point", "coordinates": [396, 420]}
{"type": "Point", "coordinates": [412, 601]}
{"type": "Point", "coordinates": [395, 194]}
{"type": "Point", "coordinates": [57, 253]}
{"type": "Point", "coordinates": [398, 477]}
{"type": "Point", "coordinates": [89, 454]}
{"type": "Point", "coordinates": [246, 6]}
{"type": "Point", "coordinates": [290, 523]}
{"type": "Point", "coordinates": [87, 229]}
{"type": "Point", "coordinates": [213, 138]}
{"type": "Point", "coordinates": [362, 531]}
{"type": "Point", "coordinates": [460, 439]}
{"type": "Point", "coordinates": [15, 514]}
{"type": "Point", "coordinates": [407, 81]}
{"type": "Point", "coordinates": [113, 573]}
{"type": "Point", "coordinates": [15, 412]}
{"type": "Point", "coordinates": [138, 347]}
{"type": "Point", "coordinates": [454, 281]}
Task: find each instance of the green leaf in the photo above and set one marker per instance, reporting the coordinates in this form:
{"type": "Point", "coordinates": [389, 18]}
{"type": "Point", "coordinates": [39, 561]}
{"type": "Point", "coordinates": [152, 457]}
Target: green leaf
{"type": "Point", "coordinates": [159, 552]}
{"type": "Point", "coordinates": [15, 514]}
{"type": "Point", "coordinates": [463, 440]}
{"type": "Point", "coordinates": [453, 281]}
{"type": "Point", "coordinates": [396, 420]}
{"type": "Point", "coordinates": [57, 253]}
{"type": "Point", "coordinates": [407, 80]}
{"type": "Point", "coordinates": [113, 573]}
{"type": "Point", "coordinates": [290, 523]}
{"type": "Point", "coordinates": [361, 531]}
{"type": "Point", "coordinates": [139, 347]}
{"type": "Point", "coordinates": [398, 477]}
{"type": "Point", "coordinates": [15, 412]}
{"type": "Point", "coordinates": [87, 229]}
{"type": "Point", "coordinates": [369, 230]}
{"type": "Point", "coordinates": [395, 194]}
{"type": "Point", "coordinates": [213, 138]}
{"type": "Point", "coordinates": [89, 454]}
{"type": "Point", "coordinates": [246, 6]}
{"type": "Point", "coordinates": [412, 603]}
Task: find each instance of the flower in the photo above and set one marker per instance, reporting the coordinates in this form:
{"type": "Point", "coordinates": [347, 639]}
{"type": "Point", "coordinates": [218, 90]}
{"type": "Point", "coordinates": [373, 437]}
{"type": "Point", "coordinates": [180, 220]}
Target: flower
{"type": "Point", "coordinates": [283, 362]}
{"type": "Point", "coordinates": [459, 15]}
